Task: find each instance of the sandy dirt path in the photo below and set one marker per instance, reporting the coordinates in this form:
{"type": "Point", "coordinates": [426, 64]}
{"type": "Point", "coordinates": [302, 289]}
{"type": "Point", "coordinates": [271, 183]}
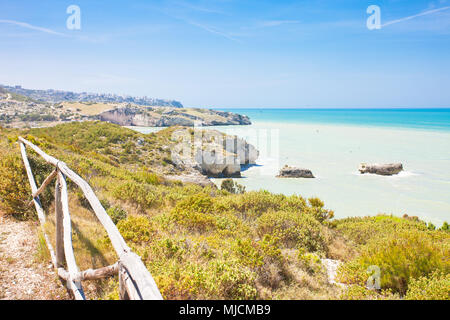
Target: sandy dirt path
{"type": "Point", "coordinates": [22, 275]}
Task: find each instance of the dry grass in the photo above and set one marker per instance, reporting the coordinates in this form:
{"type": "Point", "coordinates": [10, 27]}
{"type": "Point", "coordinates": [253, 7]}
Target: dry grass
{"type": "Point", "coordinates": [87, 109]}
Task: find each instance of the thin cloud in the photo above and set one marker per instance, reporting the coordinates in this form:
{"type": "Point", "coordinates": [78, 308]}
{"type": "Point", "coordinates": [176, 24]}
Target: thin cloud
{"type": "Point", "coordinates": [415, 16]}
{"type": "Point", "coordinates": [31, 27]}
{"type": "Point", "coordinates": [198, 8]}
{"type": "Point", "coordinates": [276, 23]}
{"type": "Point", "coordinates": [212, 30]}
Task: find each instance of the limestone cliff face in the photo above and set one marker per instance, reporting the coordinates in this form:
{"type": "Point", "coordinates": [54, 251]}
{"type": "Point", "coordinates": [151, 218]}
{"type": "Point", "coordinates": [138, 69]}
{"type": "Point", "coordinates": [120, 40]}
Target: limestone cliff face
{"type": "Point", "coordinates": [212, 153]}
{"type": "Point", "coordinates": [166, 117]}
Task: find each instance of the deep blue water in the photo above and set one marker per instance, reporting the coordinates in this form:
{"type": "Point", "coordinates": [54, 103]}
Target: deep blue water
{"type": "Point", "coordinates": [431, 119]}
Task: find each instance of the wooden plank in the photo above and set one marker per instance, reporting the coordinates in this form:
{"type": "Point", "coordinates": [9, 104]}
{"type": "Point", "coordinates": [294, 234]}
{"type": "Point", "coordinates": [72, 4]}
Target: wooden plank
{"type": "Point", "coordinates": [33, 186]}
{"type": "Point", "coordinates": [116, 239]}
{"type": "Point", "coordinates": [127, 287]}
{"type": "Point", "coordinates": [123, 293]}
{"type": "Point", "coordinates": [131, 291]}
{"type": "Point", "coordinates": [73, 283]}
{"type": "Point", "coordinates": [145, 284]}
{"type": "Point", "coordinates": [44, 184]}
{"type": "Point", "coordinates": [60, 257]}
{"type": "Point", "coordinates": [46, 157]}
{"type": "Point", "coordinates": [134, 277]}
{"type": "Point", "coordinates": [100, 273]}
{"type": "Point", "coordinates": [37, 202]}
{"type": "Point", "coordinates": [63, 274]}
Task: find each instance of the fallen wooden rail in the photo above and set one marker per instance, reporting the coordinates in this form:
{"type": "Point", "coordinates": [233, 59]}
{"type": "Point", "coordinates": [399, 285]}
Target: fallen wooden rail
{"type": "Point", "coordinates": [135, 282]}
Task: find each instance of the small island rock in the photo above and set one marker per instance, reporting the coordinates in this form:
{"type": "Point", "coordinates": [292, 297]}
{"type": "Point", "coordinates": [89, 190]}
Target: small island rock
{"type": "Point", "coordinates": [388, 169]}
{"type": "Point", "coordinates": [293, 172]}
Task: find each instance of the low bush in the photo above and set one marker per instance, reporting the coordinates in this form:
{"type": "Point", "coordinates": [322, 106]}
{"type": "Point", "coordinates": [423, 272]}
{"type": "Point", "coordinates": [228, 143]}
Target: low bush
{"type": "Point", "coordinates": [361, 230]}
{"type": "Point", "coordinates": [117, 214]}
{"type": "Point", "coordinates": [15, 190]}
{"type": "Point", "coordinates": [402, 256]}
{"type": "Point", "coordinates": [144, 196]}
{"type": "Point", "coordinates": [195, 213]}
{"type": "Point", "coordinates": [232, 187]}
{"type": "Point", "coordinates": [295, 230]}
{"type": "Point", "coordinates": [137, 229]}
{"type": "Point", "coordinates": [434, 287]}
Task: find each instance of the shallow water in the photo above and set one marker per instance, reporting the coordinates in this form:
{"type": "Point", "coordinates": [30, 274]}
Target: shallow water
{"type": "Point", "coordinates": [333, 152]}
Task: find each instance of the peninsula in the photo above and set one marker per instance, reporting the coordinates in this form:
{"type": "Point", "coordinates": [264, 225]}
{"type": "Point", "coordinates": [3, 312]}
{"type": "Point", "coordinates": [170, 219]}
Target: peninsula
{"type": "Point", "coordinates": [21, 108]}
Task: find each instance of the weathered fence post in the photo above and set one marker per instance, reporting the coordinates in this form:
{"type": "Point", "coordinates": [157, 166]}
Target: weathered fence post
{"type": "Point", "coordinates": [123, 293]}
{"type": "Point", "coordinates": [135, 282]}
{"type": "Point", "coordinates": [60, 258]}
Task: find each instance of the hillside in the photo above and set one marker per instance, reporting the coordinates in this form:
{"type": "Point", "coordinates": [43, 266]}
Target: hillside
{"type": "Point", "coordinates": [19, 111]}
{"type": "Point", "coordinates": [203, 243]}
{"type": "Point", "coordinates": [166, 117]}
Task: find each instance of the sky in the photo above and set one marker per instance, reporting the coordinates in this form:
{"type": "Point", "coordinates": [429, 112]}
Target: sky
{"type": "Point", "coordinates": [234, 53]}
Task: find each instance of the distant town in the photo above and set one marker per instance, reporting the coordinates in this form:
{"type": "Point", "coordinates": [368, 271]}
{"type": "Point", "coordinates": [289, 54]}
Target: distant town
{"type": "Point", "coordinates": [57, 96]}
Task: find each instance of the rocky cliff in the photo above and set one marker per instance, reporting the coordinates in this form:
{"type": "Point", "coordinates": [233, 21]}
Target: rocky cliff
{"type": "Point", "coordinates": [211, 152]}
{"type": "Point", "coordinates": [166, 117]}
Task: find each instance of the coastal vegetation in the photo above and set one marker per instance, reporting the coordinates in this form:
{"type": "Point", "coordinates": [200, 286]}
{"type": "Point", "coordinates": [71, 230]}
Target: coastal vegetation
{"type": "Point", "coordinates": [209, 243]}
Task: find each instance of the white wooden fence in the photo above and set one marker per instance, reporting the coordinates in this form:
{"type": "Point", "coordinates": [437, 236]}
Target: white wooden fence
{"type": "Point", "coordinates": [135, 282]}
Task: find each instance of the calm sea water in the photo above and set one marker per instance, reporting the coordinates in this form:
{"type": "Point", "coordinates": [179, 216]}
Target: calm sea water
{"type": "Point", "coordinates": [430, 119]}
{"type": "Point", "coordinates": [332, 143]}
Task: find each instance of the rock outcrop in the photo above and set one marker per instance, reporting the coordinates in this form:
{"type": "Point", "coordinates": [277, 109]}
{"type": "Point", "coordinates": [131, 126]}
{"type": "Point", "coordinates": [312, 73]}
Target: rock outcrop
{"type": "Point", "coordinates": [166, 117]}
{"type": "Point", "coordinates": [293, 172]}
{"type": "Point", "coordinates": [381, 169]}
{"type": "Point", "coordinates": [212, 153]}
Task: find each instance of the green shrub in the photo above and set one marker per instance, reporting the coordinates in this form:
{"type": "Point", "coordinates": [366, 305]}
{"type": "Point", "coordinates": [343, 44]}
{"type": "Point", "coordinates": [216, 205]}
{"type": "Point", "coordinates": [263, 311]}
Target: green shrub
{"type": "Point", "coordinates": [200, 202]}
{"type": "Point", "coordinates": [137, 229]}
{"type": "Point", "coordinates": [194, 213]}
{"type": "Point", "coordinates": [310, 261]}
{"type": "Point", "coordinates": [361, 230]}
{"type": "Point", "coordinates": [401, 257]}
{"type": "Point", "coordinates": [230, 281]}
{"type": "Point", "coordinates": [15, 190]}
{"type": "Point", "coordinates": [117, 214]}
{"type": "Point", "coordinates": [148, 177]}
{"type": "Point", "coordinates": [251, 205]}
{"type": "Point", "coordinates": [355, 292]}
{"type": "Point", "coordinates": [434, 287]}
{"type": "Point", "coordinates": [232, 187]}
{"type": "Point", "coordinates": [318, 210]}
{"type": "Point", "coordinates": [295, 230]}
{"type": "Point", "coordinates": [144, 196]}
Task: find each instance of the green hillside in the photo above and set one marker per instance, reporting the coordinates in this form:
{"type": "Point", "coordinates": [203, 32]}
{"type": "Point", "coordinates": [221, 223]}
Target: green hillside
{"type": "Point", "coordinates": [205, 243]}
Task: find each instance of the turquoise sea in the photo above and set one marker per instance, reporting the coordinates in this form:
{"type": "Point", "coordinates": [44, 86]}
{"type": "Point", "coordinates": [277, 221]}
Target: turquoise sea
{"type": "Point", "coordinates": [333, 142]}
{"type": "Point", "coordinates": [430, 119]}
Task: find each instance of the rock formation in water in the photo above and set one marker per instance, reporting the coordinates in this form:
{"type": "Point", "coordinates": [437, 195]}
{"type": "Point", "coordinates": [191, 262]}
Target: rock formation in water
{"type": "Point", "coordinates": [212, 153]}
{"type": "Point", "coordinates": [293, 172]}
{"type": "Point", "coordinates": [388, 169]}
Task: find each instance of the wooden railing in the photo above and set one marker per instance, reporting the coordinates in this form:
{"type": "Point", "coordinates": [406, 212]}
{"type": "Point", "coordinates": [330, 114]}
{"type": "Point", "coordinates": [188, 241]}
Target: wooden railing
{"type": "Point", "coordinates": [135, 282]}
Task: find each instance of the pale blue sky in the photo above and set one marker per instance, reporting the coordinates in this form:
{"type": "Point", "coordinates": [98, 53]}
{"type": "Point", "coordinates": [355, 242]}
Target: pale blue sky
{"type": "Point", "coordinates": [241, 53]}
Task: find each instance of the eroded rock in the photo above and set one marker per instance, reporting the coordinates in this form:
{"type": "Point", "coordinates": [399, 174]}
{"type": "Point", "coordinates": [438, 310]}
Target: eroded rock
{"type": "Point", "coordinates": [388, 169]}
{"type": "Point", "coordinates": [213, 153]}
{"type": "Point", "coordinates": [294, 172]}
